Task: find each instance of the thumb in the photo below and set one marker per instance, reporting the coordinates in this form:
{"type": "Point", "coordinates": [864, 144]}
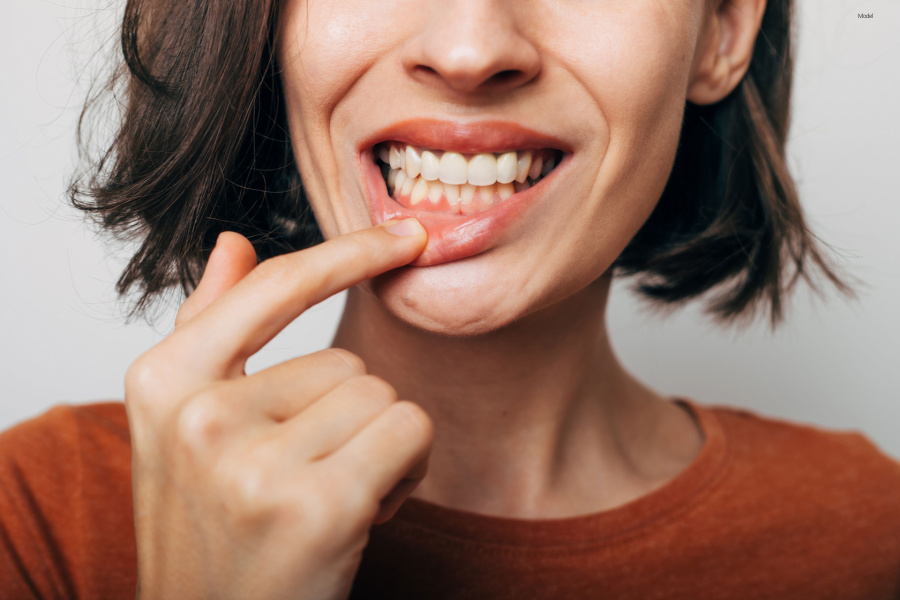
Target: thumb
{"type": "Point", "coordinates": [230, 261]}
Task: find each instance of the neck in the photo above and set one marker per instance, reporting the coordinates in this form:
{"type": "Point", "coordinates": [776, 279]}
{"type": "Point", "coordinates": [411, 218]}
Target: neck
{"type": "Point", "coordinates": [535, 420]}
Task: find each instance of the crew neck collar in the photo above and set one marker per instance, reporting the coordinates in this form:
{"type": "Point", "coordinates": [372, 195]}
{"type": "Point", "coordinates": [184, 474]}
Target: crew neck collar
{"type": "Point", "coordinates": [707, 467]}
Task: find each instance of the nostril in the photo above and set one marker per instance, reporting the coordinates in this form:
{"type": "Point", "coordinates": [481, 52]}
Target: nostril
{"type": "Point", "coordinates": [507, 76]}
{"type": "Point", "coordinates": [426, 70]}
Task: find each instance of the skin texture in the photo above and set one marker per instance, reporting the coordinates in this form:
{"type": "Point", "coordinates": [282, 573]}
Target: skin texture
{"type": "Point", "coordinates": [266, 485]}
{"type": "Point", "coordinates": [508, 347]}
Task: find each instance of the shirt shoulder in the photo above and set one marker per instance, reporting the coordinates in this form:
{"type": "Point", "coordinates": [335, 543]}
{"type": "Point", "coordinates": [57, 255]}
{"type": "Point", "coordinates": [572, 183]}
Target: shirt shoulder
{"type": "Point", "coordinates": [832, 486]}
{"type": "Point", "coordinates": [807, 452]}
{"type": "Point", "coordinates": [66, 524]}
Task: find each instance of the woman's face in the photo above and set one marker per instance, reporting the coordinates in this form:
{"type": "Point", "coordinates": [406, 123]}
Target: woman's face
{"type": "Point", "coordinates": [596, 87]}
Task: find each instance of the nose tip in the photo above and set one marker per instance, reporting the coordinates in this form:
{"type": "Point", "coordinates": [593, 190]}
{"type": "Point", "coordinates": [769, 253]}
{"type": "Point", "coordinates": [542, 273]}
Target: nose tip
{"type": "Point", "coordinates": [471, 47]}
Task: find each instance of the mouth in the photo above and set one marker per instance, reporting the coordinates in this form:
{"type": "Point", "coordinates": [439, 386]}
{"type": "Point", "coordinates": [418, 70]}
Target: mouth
{"type": "Point", "coordinates": [468, 185]}
{"type": "Point", "coordinates": [452, 183]}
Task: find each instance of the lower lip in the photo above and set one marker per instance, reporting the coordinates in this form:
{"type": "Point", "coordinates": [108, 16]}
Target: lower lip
{"type": "Point", "coordinates": [450, 237]}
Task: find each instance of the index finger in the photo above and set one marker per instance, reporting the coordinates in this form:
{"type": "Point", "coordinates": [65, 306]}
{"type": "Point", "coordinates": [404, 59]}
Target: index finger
{"type": "Point", "coordinates": [240, 322]}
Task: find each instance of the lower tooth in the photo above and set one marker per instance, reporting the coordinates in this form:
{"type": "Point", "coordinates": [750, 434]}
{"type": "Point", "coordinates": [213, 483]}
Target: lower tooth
{"type": "Point", "coordinates": [418, 192]}
{"type": "Point", "coordinates": [435, 191]}
{"type": "Point", "coordinates": [487, 193]}
{"type": "Point", "coordinates": [452, 193]}
{"type": "Point", "coordinates": [521, 187]}
{"type": "Point", "coordinates": [466, 193]}
{"type": "Point", "coordinates": [392, 179]}
{"type": "Point", "coordinates": [505, 190]}
{"type": "Point", "coordinates": [407, 186]}
{"type": "Point", "coordinates": [399, 180]}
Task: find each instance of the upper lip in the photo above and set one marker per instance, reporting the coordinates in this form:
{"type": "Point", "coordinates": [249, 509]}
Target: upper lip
{"type": "Point", "coordinates": [470, 137]}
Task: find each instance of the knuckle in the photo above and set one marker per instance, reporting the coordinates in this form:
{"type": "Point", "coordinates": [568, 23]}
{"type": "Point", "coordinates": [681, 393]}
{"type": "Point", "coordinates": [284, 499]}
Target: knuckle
{"type": "Point", "coordinates": [202, 422]}
{"type": "Point", "coordinates": [142, 375]}
{"type": "Point", "coordinates": [413, 419]}
{"type": "Point", "coordinates": [321, 515]}
{"type": "Point", "coordinates": [278, 268]}
{"type": "Point", "coordinates": [345, 358]}
{"type": "Point", "coordinates": [246, 493]}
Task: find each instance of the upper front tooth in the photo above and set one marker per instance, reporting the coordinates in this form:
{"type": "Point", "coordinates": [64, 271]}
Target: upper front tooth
{"type": "Point", "coordinates": [482, 170]}
{"type": "Point", "coordinates": [413, 162]}
{"type": "Point", "coordinates": [453, 168]}
{"type": "Point", "coordinates": [431, 166]}
{"type": "Point", "coordinates": [507, 167]}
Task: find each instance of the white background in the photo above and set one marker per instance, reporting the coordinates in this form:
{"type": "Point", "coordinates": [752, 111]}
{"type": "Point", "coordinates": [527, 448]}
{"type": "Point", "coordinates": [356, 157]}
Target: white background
{"type": "Point", "coordinates": [835, 364]}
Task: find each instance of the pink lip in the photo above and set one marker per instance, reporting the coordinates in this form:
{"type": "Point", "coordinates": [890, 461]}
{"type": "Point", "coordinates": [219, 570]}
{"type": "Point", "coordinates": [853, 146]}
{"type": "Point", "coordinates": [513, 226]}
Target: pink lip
{"type": "Point", "coordinates": [453, 237]}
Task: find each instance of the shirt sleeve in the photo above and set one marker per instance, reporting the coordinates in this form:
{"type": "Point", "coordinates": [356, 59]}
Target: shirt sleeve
{"type": "Point", "coordinates": [66, 524]}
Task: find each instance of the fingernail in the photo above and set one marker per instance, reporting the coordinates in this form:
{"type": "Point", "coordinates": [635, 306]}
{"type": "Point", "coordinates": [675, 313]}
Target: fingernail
{"type": "Point", "coordinates": [405, 228]}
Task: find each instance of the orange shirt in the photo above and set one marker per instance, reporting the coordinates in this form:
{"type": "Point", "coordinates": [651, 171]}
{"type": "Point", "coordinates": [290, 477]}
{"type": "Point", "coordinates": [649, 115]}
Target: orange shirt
{"type": "Point", "coordinates": [768, 510]}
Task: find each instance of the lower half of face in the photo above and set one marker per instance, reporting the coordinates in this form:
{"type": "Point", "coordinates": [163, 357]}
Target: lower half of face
{"type": "Point", "coordinates": [531, 139]}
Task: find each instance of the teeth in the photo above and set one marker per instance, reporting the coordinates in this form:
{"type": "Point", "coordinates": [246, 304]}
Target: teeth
{"type": "Point", "coordinates": [452, 193]}
{"type": "Point", "coordinates": [413, 162]}
{"type": "Point", "coordinates": [482, 169]}
{"type": "Point", "coordinates": [507, 167]}
{"type": "Point", "coordinates": [435, 190]}
{"type": "Point", "coordinates": [466, 193]}
{"type": "Point", "coordinates": [431, 166]}
{"type": "Point", "coordinates": [453, 168]}
{"type": "Point", "coordinates": [407, 186]}
{"type": "Point", "coordinates": [470, 185]}
{"type": "Point", "coordinates": [400, 179]}
{"type": "Point", "coordinates": [394, 158]}
{"type": "Point", "coordinates": [522, 167]}
{"type": "Point", "coordinates": [419, 191]}
{"type": "Point", "coordinates": [536, 165]}
{"type": "Point", "coordinates": [487, 193]}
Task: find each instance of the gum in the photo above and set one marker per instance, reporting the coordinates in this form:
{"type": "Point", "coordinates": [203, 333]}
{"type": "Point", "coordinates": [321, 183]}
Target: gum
{"type": "Point", "coordinates": [478, 204]}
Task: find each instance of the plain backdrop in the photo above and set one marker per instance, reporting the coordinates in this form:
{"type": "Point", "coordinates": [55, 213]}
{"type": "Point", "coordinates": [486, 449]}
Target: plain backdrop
{"type": "Point", "coordinates": [834, 364]}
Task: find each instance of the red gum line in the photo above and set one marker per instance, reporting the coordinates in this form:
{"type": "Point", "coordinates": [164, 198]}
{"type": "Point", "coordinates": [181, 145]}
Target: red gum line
{"type": "Point", "coordinates": [477, 204]}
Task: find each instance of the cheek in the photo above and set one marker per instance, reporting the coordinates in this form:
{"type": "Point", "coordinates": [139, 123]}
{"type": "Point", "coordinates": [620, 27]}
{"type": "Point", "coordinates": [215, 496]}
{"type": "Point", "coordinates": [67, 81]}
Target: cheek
{"type": "Point", "coordinates": [325, 47]}
{"type": "Point", "coordinates": [323, 50]}
{"type": "Point", "coordinates": [635, 75]}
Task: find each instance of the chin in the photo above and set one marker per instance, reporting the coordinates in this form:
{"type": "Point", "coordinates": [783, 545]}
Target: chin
{"type": "Point", "coordinates": [452, 299]}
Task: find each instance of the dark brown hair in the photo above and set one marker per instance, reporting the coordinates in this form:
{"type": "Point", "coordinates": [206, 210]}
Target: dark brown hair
{"type": "Point", "coordinates": [202, 147]}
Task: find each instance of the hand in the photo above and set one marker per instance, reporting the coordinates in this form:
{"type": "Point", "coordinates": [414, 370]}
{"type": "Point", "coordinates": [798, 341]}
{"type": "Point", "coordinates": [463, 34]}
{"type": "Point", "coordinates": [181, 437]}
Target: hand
{"type": "Point", "coordinates": [265, 486]}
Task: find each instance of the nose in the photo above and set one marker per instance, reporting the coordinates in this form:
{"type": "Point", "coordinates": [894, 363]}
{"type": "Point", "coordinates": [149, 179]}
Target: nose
{"type": "Point", "coordinates": [472, 46]}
